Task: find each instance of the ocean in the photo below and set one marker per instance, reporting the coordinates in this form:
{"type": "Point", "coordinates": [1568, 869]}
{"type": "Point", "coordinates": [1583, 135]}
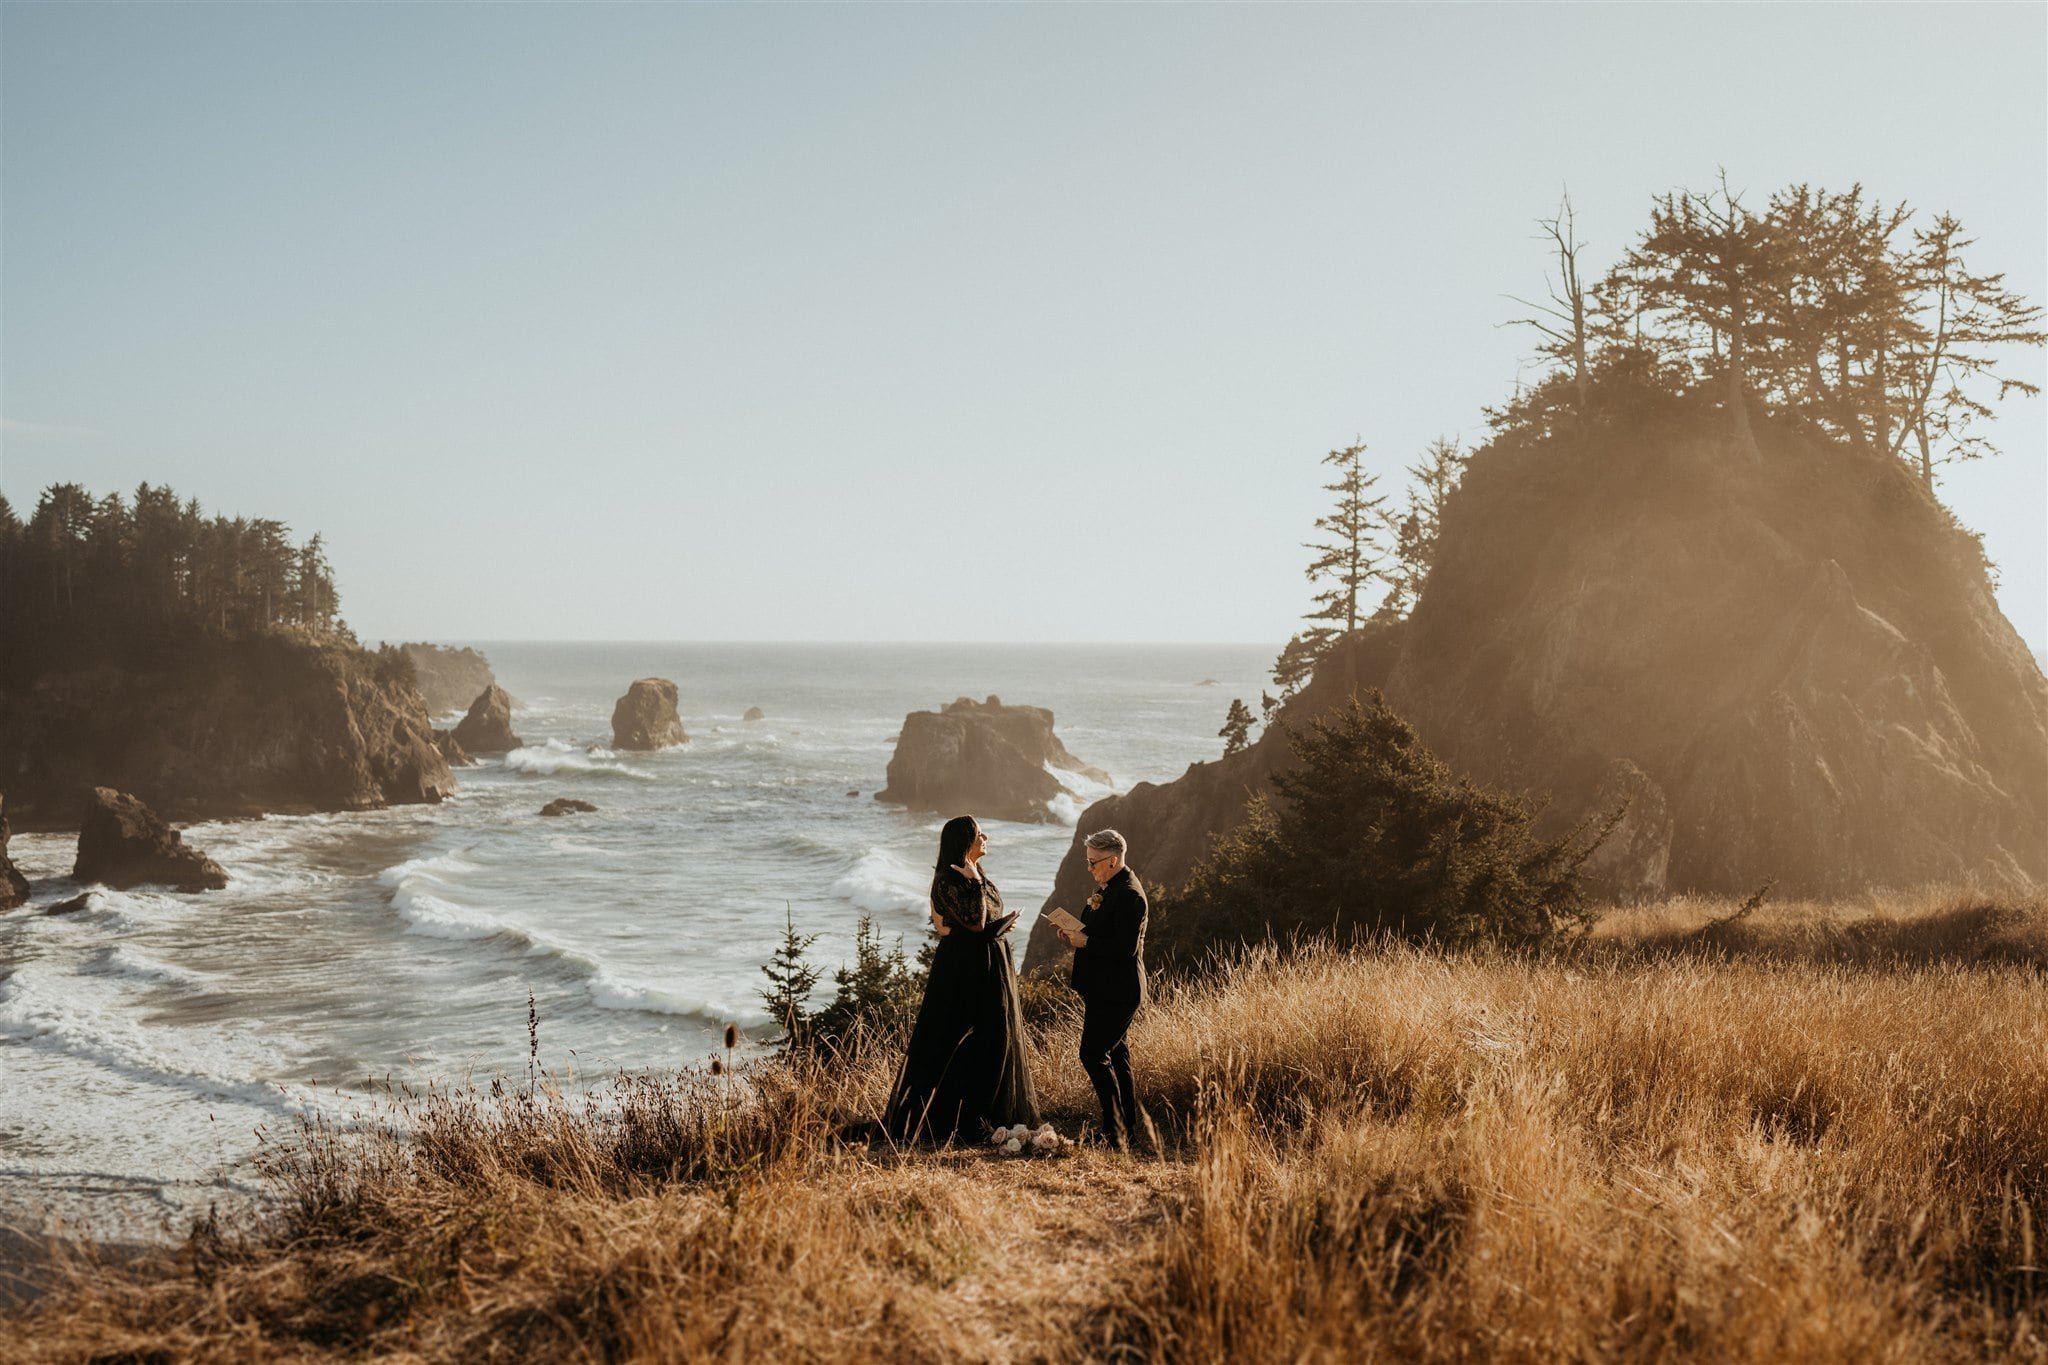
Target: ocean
{"type": "Point", "coordinates": [149, 1041]}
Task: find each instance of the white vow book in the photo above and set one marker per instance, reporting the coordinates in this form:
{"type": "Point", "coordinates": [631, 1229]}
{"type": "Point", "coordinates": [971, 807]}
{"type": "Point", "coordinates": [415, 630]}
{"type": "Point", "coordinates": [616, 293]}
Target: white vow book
{"type": "Point", "coordinates": [1062, 920]}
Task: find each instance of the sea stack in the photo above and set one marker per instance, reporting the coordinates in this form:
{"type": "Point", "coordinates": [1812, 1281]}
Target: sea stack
{"type": "Point", "coordinates": [13, 886]}
{"type": "Point", "coordinates": [754, 713]}
{"type": "Point", "coordinates": [982, 757]}
{"type": "Point", "coordinates": [645, 718]}
{"type": "Point", "coordinates": [487, 729]}
{"type": "Point", "coordinates": [122, 843]}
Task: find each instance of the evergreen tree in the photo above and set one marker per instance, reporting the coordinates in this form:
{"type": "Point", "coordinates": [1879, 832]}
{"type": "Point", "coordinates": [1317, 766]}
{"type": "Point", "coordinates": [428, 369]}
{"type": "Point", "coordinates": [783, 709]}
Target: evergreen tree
{"type": "Point", "coordinates": [1966, 315]}
{"type": "Point", "coordinates": [1350, 559]}
{"type": "Point", "coordinates": [1417, 528]}
{"type": "Point", "coordinates": [791, 978]}
{"type": "Point", "coordinates": [1297, 659]}
{"type": "Point", "coordinates": [876, 995]}
{"type": "Point", "coordinates": [1372, 833]}
{"type": "Point", "coordinates": [1237, 728]}
{"type": "Point", "coordinates": [1708, 260]}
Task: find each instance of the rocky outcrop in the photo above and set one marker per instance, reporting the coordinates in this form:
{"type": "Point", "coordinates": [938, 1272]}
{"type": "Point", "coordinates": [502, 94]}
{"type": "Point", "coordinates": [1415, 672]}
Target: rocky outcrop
{"type": "Point", "coordinates": [568, 805]}
{"type": "Point", "coordinates": [223, 728]}
{"type": "Point", "coordinates": [122, 843]}
{"type": "Point", "coordinates": [449, 678]}
{"type": "Point", "coordinates": [982, 758]}
{"type": "Point", "coordinates": [1790, 668]}
{"type": "Point", "coordinates": [454, 753]}
{"type": "Point", "coordinates": [487, 728]}
{"type": "Point", "coordinates": [645, 718]}
{"type": "Point", "coordinates": [13, 886]}
{"type": "Point", "coordinates": [1799, 656]}
{"type": "Point", "coordinates": [754, 713]}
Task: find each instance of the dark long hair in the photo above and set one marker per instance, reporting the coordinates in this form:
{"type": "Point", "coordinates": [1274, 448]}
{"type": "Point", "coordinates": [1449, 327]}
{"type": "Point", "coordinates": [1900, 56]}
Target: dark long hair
{"type": "Point", "coordinates": [954, 841]}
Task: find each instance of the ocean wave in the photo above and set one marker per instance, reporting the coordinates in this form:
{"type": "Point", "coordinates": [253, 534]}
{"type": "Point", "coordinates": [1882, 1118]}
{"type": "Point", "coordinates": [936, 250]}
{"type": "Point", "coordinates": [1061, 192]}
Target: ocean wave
{"type": "Point", "coordinates": [879, 881]}
{"type": "Point", "coordinates": [420, 890]}
{"type": "Point", "coordinates": [609, 992]}
{"type": "Point", "coordinates": [107, 908]}
{"type": "Point", "coordinates": [127, 963]}
{"type": "Point", "coordinates": [61, 1012]}
{"type": "Point", "coordinates": [555, 758]}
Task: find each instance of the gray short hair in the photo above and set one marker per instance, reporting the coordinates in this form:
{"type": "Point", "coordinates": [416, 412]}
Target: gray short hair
{"type": "Point", "coordinates": [1107, 841]}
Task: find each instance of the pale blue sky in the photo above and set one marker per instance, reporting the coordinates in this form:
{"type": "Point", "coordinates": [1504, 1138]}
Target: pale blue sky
{"type": "Point", "coordinates": [902, 322]}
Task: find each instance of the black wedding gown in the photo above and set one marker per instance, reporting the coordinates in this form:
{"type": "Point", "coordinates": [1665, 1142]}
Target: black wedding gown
{"type": "Point", "coordinates": [965, 1071]}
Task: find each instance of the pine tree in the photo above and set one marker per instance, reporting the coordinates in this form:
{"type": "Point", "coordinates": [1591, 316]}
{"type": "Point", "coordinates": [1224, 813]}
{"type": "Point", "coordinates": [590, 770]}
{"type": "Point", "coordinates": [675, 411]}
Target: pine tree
{"type": "Point", "coordinates": [875, 998]}
{"type": "Point", "coordinates": [1350, 560]}
{"type": "Point", "coordinates": [1419, 525]}
{"type": "Point", "coordinates": [791, 978]}
{"type": "Point", "coordinates": [1969, 314]}
{"type": "Point", "coordinates": [1237, 728]}
{"type": "Point", "coordinates": [1708, 260]}
{"type": "Point", "coordinates": [1372, 833]}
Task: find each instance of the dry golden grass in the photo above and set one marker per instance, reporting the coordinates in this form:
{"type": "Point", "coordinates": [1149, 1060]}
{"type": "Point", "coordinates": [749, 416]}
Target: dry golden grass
{"type": "Point", "coordinates": [1807, 1134]}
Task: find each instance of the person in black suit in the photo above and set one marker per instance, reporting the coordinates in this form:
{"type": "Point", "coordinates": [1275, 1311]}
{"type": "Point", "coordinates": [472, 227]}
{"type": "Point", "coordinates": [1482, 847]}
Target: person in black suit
{"type": "Point", "coordinates": [1109, 976]}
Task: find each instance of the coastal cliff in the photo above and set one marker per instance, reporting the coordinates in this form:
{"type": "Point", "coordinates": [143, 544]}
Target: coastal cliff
{"type": "Point", "coordinates": [1792, 669]}
{"type": "Point", "coordinates": [223, 727]}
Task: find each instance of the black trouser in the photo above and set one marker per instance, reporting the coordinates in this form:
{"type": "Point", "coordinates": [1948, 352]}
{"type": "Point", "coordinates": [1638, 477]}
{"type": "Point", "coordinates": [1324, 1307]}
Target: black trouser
{"type": "Point", "coordinates": [1108, 1062]}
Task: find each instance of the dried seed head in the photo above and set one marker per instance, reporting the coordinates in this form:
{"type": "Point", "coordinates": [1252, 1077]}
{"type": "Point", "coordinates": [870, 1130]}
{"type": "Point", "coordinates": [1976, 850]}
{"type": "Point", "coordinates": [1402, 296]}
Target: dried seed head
{"type": "Point", "coordinates": [732, 1036]}
{"type": "Point", "coordinates": [717, 1065]}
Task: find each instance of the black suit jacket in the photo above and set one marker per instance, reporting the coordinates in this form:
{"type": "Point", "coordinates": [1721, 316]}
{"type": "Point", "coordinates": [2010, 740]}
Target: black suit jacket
{"type": "Point", "coordinates": [1111, 969]}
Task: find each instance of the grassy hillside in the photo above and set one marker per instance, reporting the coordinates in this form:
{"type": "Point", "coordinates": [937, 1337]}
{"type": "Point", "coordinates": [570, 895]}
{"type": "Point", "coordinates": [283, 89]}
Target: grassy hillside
{"type": "Point", "coordinates": [1807, 1132]}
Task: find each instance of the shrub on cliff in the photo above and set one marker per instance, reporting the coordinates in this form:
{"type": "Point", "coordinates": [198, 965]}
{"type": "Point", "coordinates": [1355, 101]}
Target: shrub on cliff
{"type": "Point", "coordinates": [1373, 834]}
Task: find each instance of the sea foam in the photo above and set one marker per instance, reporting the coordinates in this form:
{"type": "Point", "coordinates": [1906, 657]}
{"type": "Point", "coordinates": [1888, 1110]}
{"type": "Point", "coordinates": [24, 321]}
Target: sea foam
{"type": "Point", "coordinates": [555, 758]}
{"type": "Point", "coordinates": [879, 881]}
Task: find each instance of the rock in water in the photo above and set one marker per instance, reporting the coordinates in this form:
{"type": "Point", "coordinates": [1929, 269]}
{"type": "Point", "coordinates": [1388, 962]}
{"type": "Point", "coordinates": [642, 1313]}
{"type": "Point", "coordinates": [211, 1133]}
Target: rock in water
{"type": "Point", "coordinates": [645, 718]}
{"type": "Point", "coordinates": [567, 805]}
{"type": "Point", "coordinates": [457, 756]}
{"type": "Point", "coordinates": [755, 713]}
{"type": "Point", "coordinates": [487, 729]}
{"type": "Point", "coordinates": [449, 679]}
{"type": "Point", "coordinates": [13, 886]}
{"type": "Point", "coordinates": [122, 843]}
{"type": "Point", "coordinates": [981, 757]}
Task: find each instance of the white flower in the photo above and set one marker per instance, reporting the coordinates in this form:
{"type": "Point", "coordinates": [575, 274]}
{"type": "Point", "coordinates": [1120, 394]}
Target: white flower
{"type": "Point", "coordinates": [1046, 1142]}
{"type": "Point", "coordinates": [1013, 1146]}
{"type": "Point", "coordinates": [1046, 1130]}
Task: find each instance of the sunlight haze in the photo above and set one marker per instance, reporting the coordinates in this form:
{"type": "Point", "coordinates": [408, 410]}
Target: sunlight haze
{"type": "Point", "coordinates": [898, 323]}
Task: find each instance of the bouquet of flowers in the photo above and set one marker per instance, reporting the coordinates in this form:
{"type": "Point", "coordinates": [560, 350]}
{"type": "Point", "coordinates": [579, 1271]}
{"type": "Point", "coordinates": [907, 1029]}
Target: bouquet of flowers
{"type": "Point", "coordinates": [1022, 1139]}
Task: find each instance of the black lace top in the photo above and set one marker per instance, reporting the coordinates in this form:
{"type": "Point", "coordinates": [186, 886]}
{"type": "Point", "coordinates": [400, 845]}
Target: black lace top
{"type": "Point", "coordinates": [966, 904]}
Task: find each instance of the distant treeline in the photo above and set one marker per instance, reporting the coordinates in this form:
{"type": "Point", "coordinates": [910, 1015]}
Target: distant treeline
{"type": "Point", "coordinates": [1829, 308]}
{"type": "Point", "coordinates": [112, 580]}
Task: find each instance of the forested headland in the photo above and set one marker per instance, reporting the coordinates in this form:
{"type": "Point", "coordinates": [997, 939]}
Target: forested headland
{"type": "Point", "coordinates": [111, 579]}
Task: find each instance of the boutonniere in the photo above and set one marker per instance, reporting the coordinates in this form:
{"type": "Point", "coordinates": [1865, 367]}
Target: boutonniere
{"type": "Point", "coordinates": [1095, 901]}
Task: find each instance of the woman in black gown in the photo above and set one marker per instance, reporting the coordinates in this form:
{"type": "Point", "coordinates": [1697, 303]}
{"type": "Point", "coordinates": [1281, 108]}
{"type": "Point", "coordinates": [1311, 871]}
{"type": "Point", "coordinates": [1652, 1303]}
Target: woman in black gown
{"type": "Point", "coordinates": [965, 1071]}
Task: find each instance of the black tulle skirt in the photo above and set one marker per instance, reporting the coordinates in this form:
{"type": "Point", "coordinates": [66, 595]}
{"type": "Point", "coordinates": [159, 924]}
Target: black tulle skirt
{"type": "Point", "coordinates": [965, 1071]}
